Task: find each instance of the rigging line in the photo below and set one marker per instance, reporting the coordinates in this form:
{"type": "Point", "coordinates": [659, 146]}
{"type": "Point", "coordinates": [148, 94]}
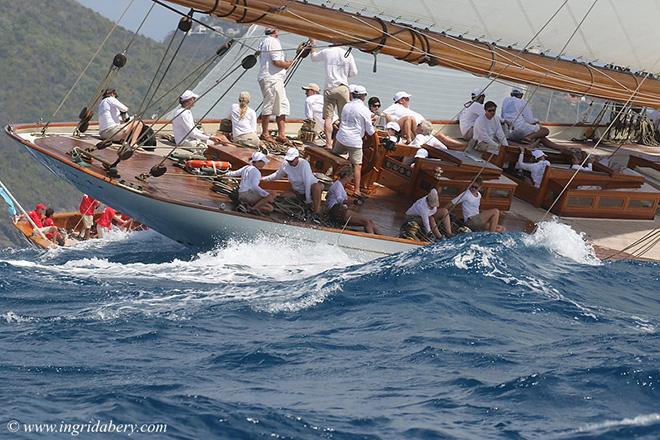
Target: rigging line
{"type": "Point", "coordinates": [112, 29]}
{"type": "Point", "coordinates": [595, 147]}
{"type": "Point", "coordinates": [135, 34]}
{"type": "Point", "coordinates": [648, 247]}
{"type": "Point", "coordinates": [634, 244]}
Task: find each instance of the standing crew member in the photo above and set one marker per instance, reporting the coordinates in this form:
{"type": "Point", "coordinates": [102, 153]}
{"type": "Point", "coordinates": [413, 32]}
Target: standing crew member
{"type": "Point", "coordinates": [339, 67]}
{"type": "Point", "coordinates": [300, 176]}
{"type": "Point", "coordinates": [272, 72]}
{"type": "Point", "coordinates": [473, 109]}
{"type": "Point", "coordinates": [87, 207]}
{"type": "Point", "coordinates": [355, 123]}
{"type": "Point", "coordinates": [249, 191]}
{"type": "Point", "coordinates": [104, 224]}
{"type": "Point", "coordinates": [186, 134]}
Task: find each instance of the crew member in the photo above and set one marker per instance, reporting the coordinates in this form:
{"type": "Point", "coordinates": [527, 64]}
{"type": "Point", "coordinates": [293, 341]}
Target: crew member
{"type": "Point", "coordinates": [54, 233]}
{"type": "Point", "coordinates": [473, 109]}
{"type": "Point", "coordinates": [87, 207]}
{"type": "Point", "coordinates": [300, 176]}
{"type": "Point", "coordinates": [470, 200]}
{"type": "Point", "coordinates": [249, 191]}
{"type": "Point", "coordinates": [536, 168]}
{"type": "Point", "coordinates": [314, 107]}
{"type": "Point", "coordinates": [355, 123]}
{"type": "Point", "coordinates": [401, 113]}
{"type": "Point", "coordinates": [104, 223]}
{"type": "Point", "coordinates": [488, 134]}
{"type": "Point", "coordinates": [379, 118]}
{"type": "Point", "coordinates": [338, 211]}
{"type": "Point", "coordinates": [271, 76]}
{"type": "Point", "coordinates": [186, 134]}
{"type": "Point", "coordinates": [113, 122]}
{"type": "Point", "coordinates": [339, 67]}
{"type": "Point", "coordinates": [244, 122]}
{"type": "Point", "coordinates": [424, 210]}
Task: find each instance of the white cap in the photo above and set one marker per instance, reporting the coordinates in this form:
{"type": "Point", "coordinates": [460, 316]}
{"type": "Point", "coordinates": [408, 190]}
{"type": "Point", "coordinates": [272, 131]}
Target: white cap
{"type": "Point", "coordinates": [291, 154]}
{"type": "Point", "coordinates": [188, 94]}
{"type": "Point", "coordinates": [478, 91]}
{"type": "Point", "coordinates": [433, 199]}
{"type": "Point", "coordinates": [311, 86]}
{"type": "Point", "coordinates": [538, 154]}
{"type": "Point", "coordinates": [393, 125]}
{"type": "Point", "coordinates": [401, 94]}
{"type": "Point", "coordinates": [357, 90]}
{"type": "Point", "coordinates": [422, 153]}
{"type": "Point", "coordinates": [259, 156]}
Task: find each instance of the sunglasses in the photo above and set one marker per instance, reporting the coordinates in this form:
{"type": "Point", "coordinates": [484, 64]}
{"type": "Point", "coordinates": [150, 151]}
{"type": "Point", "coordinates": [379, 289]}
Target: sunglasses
{"type": "Point", "coordinates": [375, 105]}
{"type": "Point", "coordinates": [490, 110]}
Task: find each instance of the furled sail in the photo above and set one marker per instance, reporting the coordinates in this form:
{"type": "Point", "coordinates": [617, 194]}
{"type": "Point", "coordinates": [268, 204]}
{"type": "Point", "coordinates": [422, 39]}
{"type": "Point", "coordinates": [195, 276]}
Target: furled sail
{"type": "Point", "coordinates": [589, 30]}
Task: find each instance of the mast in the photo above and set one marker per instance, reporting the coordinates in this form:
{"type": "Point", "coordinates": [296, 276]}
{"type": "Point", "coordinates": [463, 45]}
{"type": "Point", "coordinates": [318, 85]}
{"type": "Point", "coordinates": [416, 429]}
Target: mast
{"type": "Point", "coordinates": [374, 35]}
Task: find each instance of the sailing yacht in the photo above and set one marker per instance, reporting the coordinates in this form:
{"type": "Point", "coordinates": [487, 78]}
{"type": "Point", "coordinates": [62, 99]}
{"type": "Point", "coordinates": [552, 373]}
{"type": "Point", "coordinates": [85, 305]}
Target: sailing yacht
{"type": "Point", "coordinates": [585, 48]}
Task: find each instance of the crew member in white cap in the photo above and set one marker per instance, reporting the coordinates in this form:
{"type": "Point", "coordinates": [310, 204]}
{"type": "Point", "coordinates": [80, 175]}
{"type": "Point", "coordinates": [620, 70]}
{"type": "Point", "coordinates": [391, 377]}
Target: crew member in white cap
{"type": "Point", "coordinates": [393, 130]}
{"type": "Point", "coordinates": [518, 114]}
{"type": "Point", "coordinates": [249, 191]}
{"type": "Point", "coordinates": [271, 76]}
{"type": "Point", "coordinates": [244, 122]}
{"type": "Point", "coordinates": [424, 211]}
{"type": "Point", "coordinates": [470, 200]}
{"type": "Point", "coordinates": [473, 109]}
{"type": "Point", "coordinates": [339, 67]}
{"type": "Point", "coordinates": [355, 123]}
{"type": "Point", "coordinates": [299, 173]}
{"type": "Point", "coordinates": [401, 113]}
{"type": "Point", "coordinates": [536, 168]}
{"type": "Point", "coordinates": [422, 153]}
{"type": "Point", "coordinates": [488, 133]}
{"type": "Point", "coordinates": [111, 125]}
{"type": "Point", "coordinates": [338, 211]}
{"type": "Point", "coordinates": [314, 106]}
{"type": "Point", "coordinates": [186, 134]}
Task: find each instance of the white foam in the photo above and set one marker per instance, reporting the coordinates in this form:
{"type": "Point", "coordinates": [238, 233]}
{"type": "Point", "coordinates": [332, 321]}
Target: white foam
{"type": "Point", "coordinates": [13, 318]}
{"type": "Point", "coordinates": [642, 420]}
{"type": "Point", "coordinates": [563, 240]}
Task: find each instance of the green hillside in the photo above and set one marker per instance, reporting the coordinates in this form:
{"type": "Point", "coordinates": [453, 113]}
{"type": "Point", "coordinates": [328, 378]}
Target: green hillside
{"type": "Point", "coordinates": [44, 45]}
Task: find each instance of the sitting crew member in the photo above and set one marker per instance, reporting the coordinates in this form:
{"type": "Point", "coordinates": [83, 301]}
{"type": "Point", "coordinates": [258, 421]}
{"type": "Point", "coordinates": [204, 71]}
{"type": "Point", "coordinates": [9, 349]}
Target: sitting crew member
{"type": "Point", "coordinates": [473, 109]}
{"type": "Point", "coordinates": [536, 168]}
{"type": "Point", "coordinates": [54, 234]}
{"type": "Point", "coordinates": [87, 207]}
{"type": "Point", "coordinates": [401, 113]}
{"type": "Point", "coordinates": [470, 200]}
{"type": "Point", "coordinates": [577, 159]}
{"type": "Point", "coordinates": [488, 134]}
{"type": "Point", "coordinates": [422, 153]}
{"type": "Point", "coordinates": [314, 107]}
{"type": "Point", "coordinates": [38, 216]}
{"type": "Point", "coordinates": [272, 71]}
{"type": "Point", "coordinates": [104, 223]}
{"type": "Point", "coordinates": [355, 123]}
{"type": "Point", "coordinates": [338, 212]}
{"type": "Point", "coordinates": [113, 122]}
{"type": "Point", "coordinates": [424, 211]}
{"type": "Point", "coordinates": [244, 122]}
{"type": "Point", "coordinates": [339, 67]}
{"type": "Point", "coordinates": [249, 192]}
{"type": "Point", "coordinates": [517, 113]}
{"type": "Point", "coordinates": [424, 136]}
{"type": "Point", "coordinates": [378, 118]}
{"type": "Point", "coordinates": [393, 131]}
{"type": "Point", "coordinates": [302, 179]}
{"type": "Point", "coordinates": [186, 134]}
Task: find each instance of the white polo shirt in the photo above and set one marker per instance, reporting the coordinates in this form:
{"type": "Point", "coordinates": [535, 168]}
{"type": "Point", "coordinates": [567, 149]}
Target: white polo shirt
{"type": "Point", "coordinates": [397, 111]}
{"type": "Point", "coordinates": [536, 169]}
{"type": "Point", "coordinates": [300, 177]}
{"type": "Point", "coordinates": [270, 50]}
{"type": "Point", "coordinates": [338, 67]}
{"type": "Point", "coordinates": [314, 109]}
{"type": "Point", "coordinates": [250, 178]}
{"type": "Point", "coordinates": [355, 122]}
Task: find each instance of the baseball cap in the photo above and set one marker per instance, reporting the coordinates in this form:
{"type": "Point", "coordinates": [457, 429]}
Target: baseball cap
{"type": "Point", "coordinates": [291, 154]}
{"type": "Point", "coordinates": [188, 94]}
{"type": "Point", "coordinates": [259, 156]}
{"type": "Point", "coordinates": [478, 91]}
{"type": "Point", "coordinates": [538, 154]}
{"type": "Point", "coordinates": [393, 125]}
{"type": "Point", "coordinates": [358, 90]}
{"type": "Point", "coordinates": [422, 153]}
{"type": "Point", "coordinates": [401, 94]}
{"type": "Point", "coordinates": [311, 86]}
{"type": "Point", "coordinates": [433, 199]}
{"type": "Point", "coordinates": [40, 206]}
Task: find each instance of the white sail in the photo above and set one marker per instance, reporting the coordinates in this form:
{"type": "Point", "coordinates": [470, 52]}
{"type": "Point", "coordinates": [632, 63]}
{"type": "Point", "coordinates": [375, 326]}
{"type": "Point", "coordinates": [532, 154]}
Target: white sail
{"type": "Point", "coordinates": [624, 33]}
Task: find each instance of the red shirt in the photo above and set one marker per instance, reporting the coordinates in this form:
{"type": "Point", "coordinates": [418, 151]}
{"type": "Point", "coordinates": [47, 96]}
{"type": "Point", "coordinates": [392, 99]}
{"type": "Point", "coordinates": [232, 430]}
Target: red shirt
{"type": "Point", "coordinates": [36, 218]}
{"type": "Point", "coordinates": [49, 222]}
{"type": "Point", "coordinates": [88, 205]}
{"type": "Point", "coordinates": [105, 219]}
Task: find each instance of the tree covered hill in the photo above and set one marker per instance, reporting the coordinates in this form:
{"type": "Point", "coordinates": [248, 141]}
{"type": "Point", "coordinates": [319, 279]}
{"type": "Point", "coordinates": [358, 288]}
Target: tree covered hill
{"type": "Point", "coordinates": [45, 45]}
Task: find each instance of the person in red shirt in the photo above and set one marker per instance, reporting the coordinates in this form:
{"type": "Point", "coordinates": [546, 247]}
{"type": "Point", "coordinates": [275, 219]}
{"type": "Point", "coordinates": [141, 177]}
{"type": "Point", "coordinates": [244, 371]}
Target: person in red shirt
{"type": "Point", "coordinates": [54, 233]}
{"type": "Point", "coordinates": [87, 207]}
{"type": "Point", "coordinates": [37, 215]}
{"type": "Point", "coordinates": [104, 223]}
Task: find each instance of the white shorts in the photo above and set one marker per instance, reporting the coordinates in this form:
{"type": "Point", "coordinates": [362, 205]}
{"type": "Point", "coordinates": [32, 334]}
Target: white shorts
{"type": "Point", "coordinates": [87, 221]}
{"type": "Point", "coordinates": [275, 99]}
{"type": "Point", "coordinates": [116, 132]}
{"type": "Point", "coordinates": [523, 129]}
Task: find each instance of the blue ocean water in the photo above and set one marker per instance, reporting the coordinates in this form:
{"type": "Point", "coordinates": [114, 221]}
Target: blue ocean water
{"type": "Point", "coordinates": [482, 337]}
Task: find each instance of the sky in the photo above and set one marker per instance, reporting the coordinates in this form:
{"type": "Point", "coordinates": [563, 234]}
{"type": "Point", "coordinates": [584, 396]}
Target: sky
{"type": "Point", "coordinates": [160, 21]}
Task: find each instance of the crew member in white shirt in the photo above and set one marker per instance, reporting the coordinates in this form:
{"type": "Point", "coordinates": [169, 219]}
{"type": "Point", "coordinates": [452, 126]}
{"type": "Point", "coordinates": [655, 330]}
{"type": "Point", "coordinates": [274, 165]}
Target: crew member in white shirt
{"type": "Point", "coordinates": [249, 191]}
{"type": "Point", "coordinates": [470, 200]}
{"type": "Point", "coordinates": [111, 126]}
{"type": "Point", "coordinates": [244, 122]}
{"type": "Point", "coordinates": [577, 159]}
{"type": "Point", "coordinates": [517, 113]}
{"type": "Point", "coordinates": [271, 76]}
{"type": "Point", "coordinates": [473, 109]}
{"type": "Point", "coordinates": [186, 134]}
{"type": "Point", "coordinates": [424, 210]}
{"type": "Point", "coordinates": [536, 168]}
{"type": "Point", "coordinates": [488, 133]}
{"type": "Point", "coordinates": [314, 106]}
{"type": "Point", "coordinates": [355, 123]}
{"type": "Point", "coordinates": [339, 67]}
{"type": "Point", "coordinates": [401, 113]}
{"type": "Point", "coordinates": [338, 211]}
{"type": "Point", "coordinates": [424, 137]}
{"type": "Point", "coordinates": [300, 176]}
